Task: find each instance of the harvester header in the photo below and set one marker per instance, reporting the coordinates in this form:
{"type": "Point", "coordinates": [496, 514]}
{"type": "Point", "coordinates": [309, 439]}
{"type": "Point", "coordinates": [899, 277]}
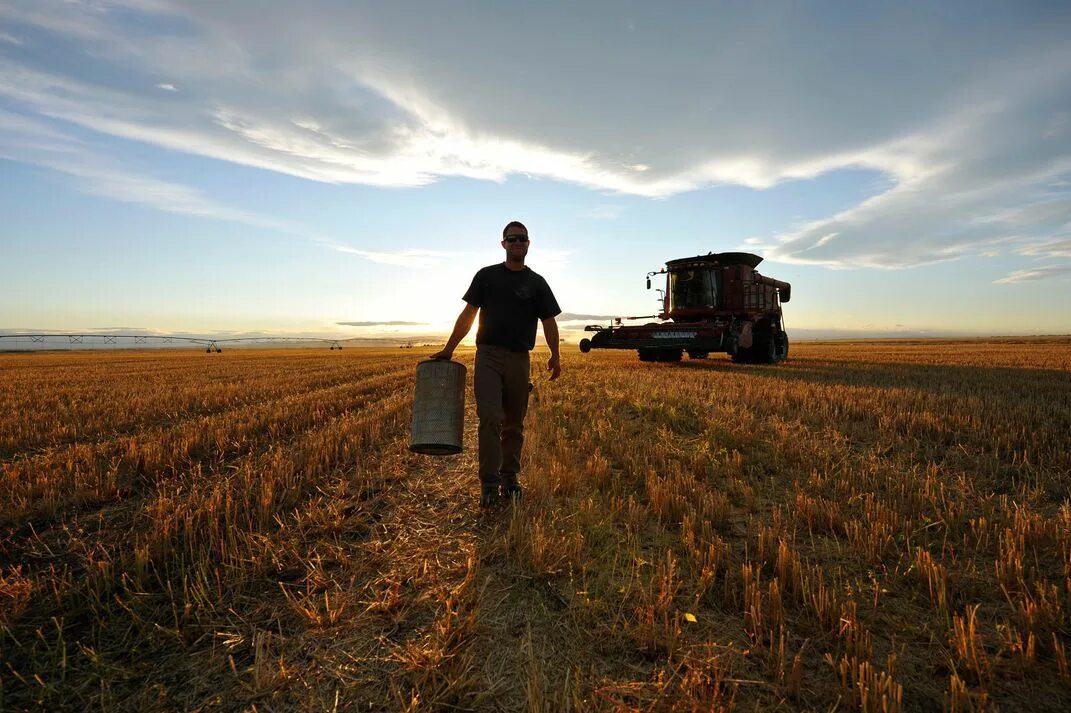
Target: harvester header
{"type": "Point", "coordinates": [711, 303]}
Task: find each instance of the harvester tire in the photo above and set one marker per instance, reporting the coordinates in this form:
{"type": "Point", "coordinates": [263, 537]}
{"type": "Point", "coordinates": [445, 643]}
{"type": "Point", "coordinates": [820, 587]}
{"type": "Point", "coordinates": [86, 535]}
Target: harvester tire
{"type": "Point", "coordinates": [697, 355]}
{"type": "Point", "coordinates": [648, 355]}
{"type": "Point", "coordinates": [769, 350]}
{"type": "Point", "coordinates": [782, 344]}
{"type": "Point", "coordinates": [585, 346]}
{"type": "Point", "coordinates": [671, 355]}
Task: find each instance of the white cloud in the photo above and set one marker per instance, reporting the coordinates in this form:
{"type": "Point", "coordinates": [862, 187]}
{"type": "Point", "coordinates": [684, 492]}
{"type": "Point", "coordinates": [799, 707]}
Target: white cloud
{"type": "Point", "coordinates": [410, 257]}
{"type": "Point", "coordinates": [1036, 273]}
{"type": "Point", "coordinates": [167, 87]}
{"type": "Point", "coordinates": [1056, 248]}
{"type": "Point", "coordinates": [30, 141]}
{"type": "Point", "coordinates": [10, 39]}
{"type": "Point", "coordinates": [963, 114]}
{"type": "Point", "coordinates": [546, 259]}
{"type": "Point", "coordinates": [974, 172]}
{"type": "Point", "coordinates": [402, 258]}
{"type": "Point", "coordinates": [605, 211]}
{"type": "Point", "coordinates": [33, 142]}
{"type": "Point", "coordinates": [24, 133]}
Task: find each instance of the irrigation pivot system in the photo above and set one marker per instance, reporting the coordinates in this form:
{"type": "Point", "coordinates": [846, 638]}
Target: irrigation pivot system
{"type": "Point", "coordinates": [211, 345]}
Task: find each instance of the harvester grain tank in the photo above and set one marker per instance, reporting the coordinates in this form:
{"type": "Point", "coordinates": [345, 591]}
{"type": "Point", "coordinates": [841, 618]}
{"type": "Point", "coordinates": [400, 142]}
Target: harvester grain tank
{"type": "Point", "coordinates": [712, 303]}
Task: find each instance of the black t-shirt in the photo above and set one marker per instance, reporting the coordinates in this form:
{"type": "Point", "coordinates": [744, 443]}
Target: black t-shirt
{"type": "Point", "coordinates": [510, 302]}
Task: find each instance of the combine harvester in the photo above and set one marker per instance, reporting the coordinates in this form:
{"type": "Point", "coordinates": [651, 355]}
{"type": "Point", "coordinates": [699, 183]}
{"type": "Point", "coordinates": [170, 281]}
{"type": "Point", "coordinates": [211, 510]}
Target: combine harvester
{"type": "Point", "coordinates": [712, 303]}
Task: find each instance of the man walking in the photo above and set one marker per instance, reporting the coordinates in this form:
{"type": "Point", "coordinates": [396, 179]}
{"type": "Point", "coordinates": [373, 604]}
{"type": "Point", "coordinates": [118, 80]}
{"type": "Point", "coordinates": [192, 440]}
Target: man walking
{"type": "Point", "coordinates": [510, 299]}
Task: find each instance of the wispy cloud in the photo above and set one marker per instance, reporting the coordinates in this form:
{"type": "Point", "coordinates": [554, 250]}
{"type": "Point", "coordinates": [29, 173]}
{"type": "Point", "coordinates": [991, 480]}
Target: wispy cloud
{"type": "Point", "coordinates": [28, 140]}
{"type": "Point", "coordinates": [359, 94]}
{"type": "Point", "coordinates": [606, 211]}
{"type": "Point", "coordinates": [394, 323]}
{"type": "Point", "coordinates": [31, 141]}
{"type": "Point", "coordinates": [1056, 248]}
{"type": "Point", "coordinates": [953, 197]}
{"type": "Point", "coordinates": [549, 259]}
{"type": "Point", "coordinates": [1046, 272]}
{"type": "Point", "coordinates": [403, 258]}
{"type": "Point", "coordinates": [418, 258]}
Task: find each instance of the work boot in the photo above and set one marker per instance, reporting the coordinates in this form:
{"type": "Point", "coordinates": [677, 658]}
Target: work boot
{"type": "Point", "coordinates": [489, 495]}
{"type": "Point", "coordinates": [511, 489]}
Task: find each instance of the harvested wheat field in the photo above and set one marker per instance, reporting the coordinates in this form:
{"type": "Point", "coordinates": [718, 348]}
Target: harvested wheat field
{"type": "Point", "coordinates": [873, 526]}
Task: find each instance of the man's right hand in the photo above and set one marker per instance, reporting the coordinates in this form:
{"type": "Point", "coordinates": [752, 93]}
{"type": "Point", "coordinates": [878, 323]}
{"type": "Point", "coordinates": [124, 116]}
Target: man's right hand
{"type": "Point", "coordinates": [442, 355]}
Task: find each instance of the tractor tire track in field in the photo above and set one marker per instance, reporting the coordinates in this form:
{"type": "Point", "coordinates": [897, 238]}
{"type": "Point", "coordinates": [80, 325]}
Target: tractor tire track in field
{"type": "Point", "coordinates": [161, 427]}
{"type": "Point", "coordinates": [157, 421]}
{"type": "Point", "coordinates": [361, 396]}
{"type": "Point", "coordinates": [423, 591]}
{"type": "Point", "coordinates": [441, 602]}
{"type": "Point", "coordinates": [315, 472]}
{"type": "Point", "coordinates": [113, 466]}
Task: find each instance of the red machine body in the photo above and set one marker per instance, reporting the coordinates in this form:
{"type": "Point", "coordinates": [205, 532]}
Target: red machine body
{"type": "Point", "coordinates": [712, 303]}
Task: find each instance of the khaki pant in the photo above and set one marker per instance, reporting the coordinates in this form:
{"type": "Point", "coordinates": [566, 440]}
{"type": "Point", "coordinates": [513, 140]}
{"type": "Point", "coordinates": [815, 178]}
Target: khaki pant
{"type": "Point", "coordinates": [500, 380]}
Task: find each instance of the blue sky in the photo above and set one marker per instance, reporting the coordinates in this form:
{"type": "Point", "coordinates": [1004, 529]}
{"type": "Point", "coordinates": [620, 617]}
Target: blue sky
{"type": "Point", "coordinates": [248, 167]}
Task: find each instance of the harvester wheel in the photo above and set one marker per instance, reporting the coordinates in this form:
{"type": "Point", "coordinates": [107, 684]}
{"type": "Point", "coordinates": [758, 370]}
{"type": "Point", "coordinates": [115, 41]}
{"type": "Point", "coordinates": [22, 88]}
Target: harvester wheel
{"type": "Point", "coordinates": [739, 354]}
{"type": "Point", "coordinates": [671, 355]}
{"type": "Point", "coordinates": [769, 350]}
{"type": "Point", "coordinates": [697, 355]}
{"type": "Point", "coordinates": [782, 346]}
{"type": "Point", "coordinates": [585, 346]}
{"type": "Point", "coordinates": [648, 355]}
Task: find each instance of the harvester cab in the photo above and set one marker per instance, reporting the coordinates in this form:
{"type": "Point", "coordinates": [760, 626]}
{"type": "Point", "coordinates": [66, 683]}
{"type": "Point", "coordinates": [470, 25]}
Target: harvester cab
{"type": "Point", "coordinates": [711, 303]}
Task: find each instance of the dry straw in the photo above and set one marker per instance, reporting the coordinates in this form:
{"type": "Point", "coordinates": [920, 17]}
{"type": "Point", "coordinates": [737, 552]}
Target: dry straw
{"type": "Point", "coordinates": [869, 526]}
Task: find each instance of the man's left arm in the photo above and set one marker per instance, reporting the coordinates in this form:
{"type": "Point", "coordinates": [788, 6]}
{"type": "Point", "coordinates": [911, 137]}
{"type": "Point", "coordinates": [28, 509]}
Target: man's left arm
{"type": "Point", "coordinates": [550, 333]}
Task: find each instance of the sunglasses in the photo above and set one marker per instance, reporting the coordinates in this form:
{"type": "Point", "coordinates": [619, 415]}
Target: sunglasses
{"type": "Point", "coordinates": [516, 239]}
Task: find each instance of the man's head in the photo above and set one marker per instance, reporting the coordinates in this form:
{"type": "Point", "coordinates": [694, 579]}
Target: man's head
{"type": "Point", "coordinates": [515, 241]}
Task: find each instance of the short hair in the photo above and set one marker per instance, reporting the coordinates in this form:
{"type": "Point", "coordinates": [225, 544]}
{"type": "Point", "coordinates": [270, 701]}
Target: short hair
{"type": "Point", "coordinates": [513, 224]}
